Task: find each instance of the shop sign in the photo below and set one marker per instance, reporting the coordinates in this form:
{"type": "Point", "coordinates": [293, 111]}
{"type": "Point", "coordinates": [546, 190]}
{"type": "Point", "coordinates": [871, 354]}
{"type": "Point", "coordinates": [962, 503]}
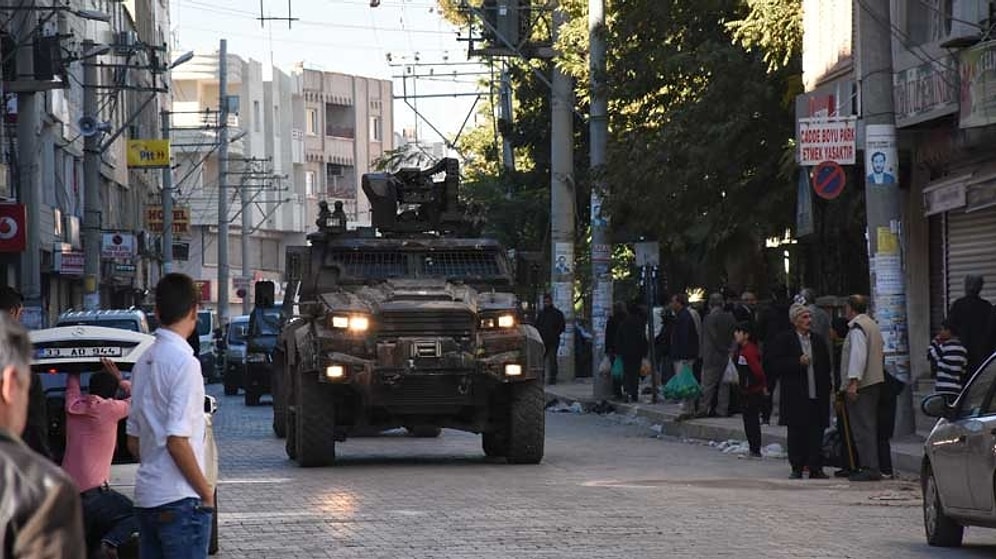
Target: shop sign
{"type": "Point", "coordinates": [117, 246]}
{"type": "Point", "coordinates": [146, 154]}
{"type": "Point", "coordinates": [977, 68]}
{"type": "Point", "coordinates": [827, 139]}
{"type": "Point", "coordinates": [945, 196]}
{"type": "Point", "coordinates": [181, 219]}
{"type": "Point", "coordinates": [204, 288]}
{"type": "Point", "coordinates": [12, 227]}
{"type": "Point", "coordinates": [925, 92]}
{"type": "Point", "coordinates": [69, 262]}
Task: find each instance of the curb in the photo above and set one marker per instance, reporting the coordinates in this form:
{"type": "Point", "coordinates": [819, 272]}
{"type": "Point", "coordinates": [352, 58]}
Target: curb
{"type": "Point", "coordinates": [906, 455]}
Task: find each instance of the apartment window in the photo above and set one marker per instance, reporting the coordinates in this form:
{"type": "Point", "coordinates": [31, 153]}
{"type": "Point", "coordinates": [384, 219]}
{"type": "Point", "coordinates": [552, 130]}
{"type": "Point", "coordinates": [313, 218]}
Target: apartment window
{"type": "Point", "coordinates": [309, 183]}
{"type": "Point", "coordinates": [333, 172]}
{"type": "Point", "coordinates": [928, 21]}
{"type": "Point", "coordinates": [312, 123]}
{"type": "Point", "coordinates": [376, 134]}
{"type": "Point", "coordinates": [256, 116]}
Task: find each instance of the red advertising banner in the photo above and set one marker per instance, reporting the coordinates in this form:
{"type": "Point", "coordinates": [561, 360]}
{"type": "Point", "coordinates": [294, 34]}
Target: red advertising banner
{"type": "Point", "coordinates": [13, 222]}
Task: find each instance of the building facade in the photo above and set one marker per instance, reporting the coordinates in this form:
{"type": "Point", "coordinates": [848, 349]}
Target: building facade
{"type": "Point", "coordinates": [945, 115]}
{"type": "Point", "coordinates": [261, 165]}
{"type": "Point", "coordinates": [348, 125]}
{"type": "Point", "coordinates": [130, 38]}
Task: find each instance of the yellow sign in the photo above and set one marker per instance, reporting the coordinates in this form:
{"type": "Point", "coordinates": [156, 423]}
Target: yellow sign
{"type": "Point", "coordinates": [888, 242]}
{"type": "Point", "coordinates": [148, 153]}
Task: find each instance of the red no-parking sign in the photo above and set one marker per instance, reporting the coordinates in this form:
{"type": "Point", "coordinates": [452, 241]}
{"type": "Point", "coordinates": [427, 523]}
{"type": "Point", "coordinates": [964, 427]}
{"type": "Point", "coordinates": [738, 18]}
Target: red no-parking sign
{"type": "Point", "coordinates": [828, 180]}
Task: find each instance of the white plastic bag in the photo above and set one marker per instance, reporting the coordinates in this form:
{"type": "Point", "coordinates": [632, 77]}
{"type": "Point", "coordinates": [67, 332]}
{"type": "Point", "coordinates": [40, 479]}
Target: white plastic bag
{"type": "Point", "coordinates": [730, 375]}
{"type": "Point", "coordinates": [605, 366]}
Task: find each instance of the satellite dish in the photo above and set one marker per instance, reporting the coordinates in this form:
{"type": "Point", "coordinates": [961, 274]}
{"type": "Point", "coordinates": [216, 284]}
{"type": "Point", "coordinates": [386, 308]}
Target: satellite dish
{"type": "Point", "coordinates": [88, 126]}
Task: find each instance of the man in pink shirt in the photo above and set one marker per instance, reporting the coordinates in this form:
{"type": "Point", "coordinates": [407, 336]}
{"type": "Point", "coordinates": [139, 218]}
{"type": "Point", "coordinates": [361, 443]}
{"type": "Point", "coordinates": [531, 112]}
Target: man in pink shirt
{"type": "Point", "coordinates": [91, 437]}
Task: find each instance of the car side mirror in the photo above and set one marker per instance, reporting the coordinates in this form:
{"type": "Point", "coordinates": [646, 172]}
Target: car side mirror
{"type": "Point", "coordinates": [936, 405]}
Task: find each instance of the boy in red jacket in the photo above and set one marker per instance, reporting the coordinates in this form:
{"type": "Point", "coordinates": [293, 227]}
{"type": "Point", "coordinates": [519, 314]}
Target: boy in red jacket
{"type": "Point", "coordinates": [753, 384]}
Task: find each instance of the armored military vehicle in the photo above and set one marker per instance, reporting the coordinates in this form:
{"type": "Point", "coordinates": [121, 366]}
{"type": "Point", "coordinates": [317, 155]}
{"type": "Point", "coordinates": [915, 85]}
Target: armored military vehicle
{"type": "Point", "coordinates": [411, 324]}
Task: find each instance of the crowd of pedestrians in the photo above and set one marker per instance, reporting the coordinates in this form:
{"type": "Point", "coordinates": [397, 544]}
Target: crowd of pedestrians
{"type": "Point", "coordinates": [68, 509]}
{"type": "Point", "coordinates": [790, 360]}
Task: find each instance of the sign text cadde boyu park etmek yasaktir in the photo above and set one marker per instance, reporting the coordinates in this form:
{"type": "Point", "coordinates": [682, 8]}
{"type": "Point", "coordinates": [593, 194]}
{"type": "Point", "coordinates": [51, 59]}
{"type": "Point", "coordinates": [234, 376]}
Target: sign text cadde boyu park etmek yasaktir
{"type": "Point", "coordinates": [827, 139]}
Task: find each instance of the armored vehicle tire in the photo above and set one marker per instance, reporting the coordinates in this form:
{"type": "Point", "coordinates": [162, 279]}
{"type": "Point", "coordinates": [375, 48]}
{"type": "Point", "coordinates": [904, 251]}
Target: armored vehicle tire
{"type": "Point", "coordinates": [252, 398]}
{"type": "Point", "coordinates": [495, 444]}
{"type": "Point", "coordinates": [315, 422]}
{"type": "Point", "coordinates": [527, 423]}
{"type": "Point", "coordinates": [425, 431]}
{"type": "Point", "coordinates": [280, 423]}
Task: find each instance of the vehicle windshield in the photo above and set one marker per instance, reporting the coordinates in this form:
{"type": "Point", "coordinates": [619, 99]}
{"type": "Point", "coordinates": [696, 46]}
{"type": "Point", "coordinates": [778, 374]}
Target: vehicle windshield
{"type": "Point", "coordinates": [460, 265]}
{"type": "Point", "coordinates": [123, 324]}
{"type": "Point", "coordinates": [238, 333]}
{"type": "Point", "coordinates": [265, 322]}
{"type": "Point", "coordinates": [203, 323]}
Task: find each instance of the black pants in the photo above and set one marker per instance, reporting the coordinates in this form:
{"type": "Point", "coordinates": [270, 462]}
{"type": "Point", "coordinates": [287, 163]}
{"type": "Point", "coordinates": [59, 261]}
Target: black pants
{"type": "Point", "coordinates": [551, 365]}
{"type": "Point", "coordinates": [631, 376]}
{"type": "Point", "coordinates": [887, 422]}
{"type": "Point", "coordinates": [805, 437]}
{"type": "Point", "coordinates": [751, 405]}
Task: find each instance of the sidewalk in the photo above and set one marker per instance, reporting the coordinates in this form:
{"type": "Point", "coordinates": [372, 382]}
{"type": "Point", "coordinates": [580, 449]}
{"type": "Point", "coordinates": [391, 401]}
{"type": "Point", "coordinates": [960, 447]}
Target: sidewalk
{"type": "Point", "coordinates": [906, 453]}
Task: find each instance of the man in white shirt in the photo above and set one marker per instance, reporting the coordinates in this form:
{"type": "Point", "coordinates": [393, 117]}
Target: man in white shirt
{"type": "Point", "coordinates": [166, 428]}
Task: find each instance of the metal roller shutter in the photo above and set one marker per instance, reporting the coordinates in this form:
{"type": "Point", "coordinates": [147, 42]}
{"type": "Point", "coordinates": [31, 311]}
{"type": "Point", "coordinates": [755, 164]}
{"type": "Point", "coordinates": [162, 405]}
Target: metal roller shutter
{"type": "Point", "coordinates": [971, 249]}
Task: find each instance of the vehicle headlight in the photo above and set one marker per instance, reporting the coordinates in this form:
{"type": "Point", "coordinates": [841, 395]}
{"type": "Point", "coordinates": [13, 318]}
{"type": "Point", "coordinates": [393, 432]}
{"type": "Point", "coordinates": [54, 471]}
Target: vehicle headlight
{"type": "Point", "coordinates": [353, 323]}
{"type": "Point", "coordinates": [492, 322]}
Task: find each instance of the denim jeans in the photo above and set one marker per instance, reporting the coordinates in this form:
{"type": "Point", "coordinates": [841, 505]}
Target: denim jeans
{"type": "Point", "coordinates": [108, 516]}
{"type": "Point", "coordinates": [177, 530]}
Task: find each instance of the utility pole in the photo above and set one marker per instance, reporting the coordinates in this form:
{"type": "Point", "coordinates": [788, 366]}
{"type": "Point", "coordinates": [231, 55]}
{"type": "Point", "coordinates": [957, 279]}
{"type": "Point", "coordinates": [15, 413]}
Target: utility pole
{"type": "Point", "coordinates": [601, 247]}
{"type": "Point", "coordinates": [222, 178]}
{"type": "Point", "coordinates": [28, 179]}
{"type": "Point", "coordinates": [91, 182]}
{"type": "Point", "coordinates": [167, 201]}
{"type": "Point", "coordinates": [244, 237]}
{"type": "Point", "coordinates": [562, 203]}
{"type": "Point", "coordinates": [883, 201]}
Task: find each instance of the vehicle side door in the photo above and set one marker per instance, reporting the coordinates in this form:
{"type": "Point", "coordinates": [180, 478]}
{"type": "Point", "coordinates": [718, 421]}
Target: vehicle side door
{"type": "Point", "coordinates": [951, 441]}
{"type": "Point", "coordinates": [980, 453]}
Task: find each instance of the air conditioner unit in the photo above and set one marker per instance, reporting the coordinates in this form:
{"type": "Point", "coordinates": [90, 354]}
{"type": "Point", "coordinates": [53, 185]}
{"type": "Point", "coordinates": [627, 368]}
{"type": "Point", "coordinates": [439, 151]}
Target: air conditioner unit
{"type": "Point", "coordinates": [969, 22]}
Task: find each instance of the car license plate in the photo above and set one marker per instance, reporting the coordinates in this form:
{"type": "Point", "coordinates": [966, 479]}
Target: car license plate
{"type": "Point", "coordinates": [63, 352]}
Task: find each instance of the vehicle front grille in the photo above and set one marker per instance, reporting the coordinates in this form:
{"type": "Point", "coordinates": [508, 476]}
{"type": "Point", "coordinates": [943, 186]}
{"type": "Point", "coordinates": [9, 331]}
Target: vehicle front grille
{"type": "Point", "coordinates": [426, 323]}
{"type": "Point", "coordinates": [424, 390]}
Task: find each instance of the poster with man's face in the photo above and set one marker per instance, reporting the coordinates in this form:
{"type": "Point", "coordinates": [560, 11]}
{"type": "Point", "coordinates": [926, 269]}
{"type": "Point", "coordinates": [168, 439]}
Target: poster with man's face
{"type": "Point", "coordinates": [881, 158]}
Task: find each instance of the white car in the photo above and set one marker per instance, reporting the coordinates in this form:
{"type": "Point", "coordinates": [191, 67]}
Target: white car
{"type": "Point", "coordinates": [61, 350]}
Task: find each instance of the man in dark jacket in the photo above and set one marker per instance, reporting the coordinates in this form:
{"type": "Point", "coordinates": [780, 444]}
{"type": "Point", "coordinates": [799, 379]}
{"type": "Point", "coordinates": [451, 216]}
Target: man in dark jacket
{"type": "Point", "coordinates": [684, 346]}
{"type": "Point", "coordinates": [550, 323]}
{"type": "Point", "coordinates": [717, 338]}
{"type": "Point", "coordinates": [611, 329]}
{"type": "Point", "coordinates": [40, 511]}
{"type": "Point", "coordinates": [970, 315]}
{"type": "Point", "coordinates": [802, 362]}
{"type": "Point", "coordinates": [36, 431]}
{"type": "Point", "coordinates": [631, 346]}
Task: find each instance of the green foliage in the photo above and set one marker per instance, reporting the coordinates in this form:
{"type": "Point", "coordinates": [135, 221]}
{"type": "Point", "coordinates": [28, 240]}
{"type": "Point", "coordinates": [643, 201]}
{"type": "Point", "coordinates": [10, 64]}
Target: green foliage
{"type": "Point", "coordinates": [774, 27]}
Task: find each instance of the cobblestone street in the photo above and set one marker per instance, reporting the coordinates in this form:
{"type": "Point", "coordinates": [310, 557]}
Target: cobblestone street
{"type": "Point", "coordinates": [605, 489]}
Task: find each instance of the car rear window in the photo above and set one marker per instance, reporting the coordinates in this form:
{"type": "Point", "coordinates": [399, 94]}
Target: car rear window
{"type": "Point", "coordinates": [122, 324]}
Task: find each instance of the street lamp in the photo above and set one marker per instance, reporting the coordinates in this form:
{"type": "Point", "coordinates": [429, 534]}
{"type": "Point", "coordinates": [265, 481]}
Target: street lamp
{"type": "Point", "coordinates": [182, 59]}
